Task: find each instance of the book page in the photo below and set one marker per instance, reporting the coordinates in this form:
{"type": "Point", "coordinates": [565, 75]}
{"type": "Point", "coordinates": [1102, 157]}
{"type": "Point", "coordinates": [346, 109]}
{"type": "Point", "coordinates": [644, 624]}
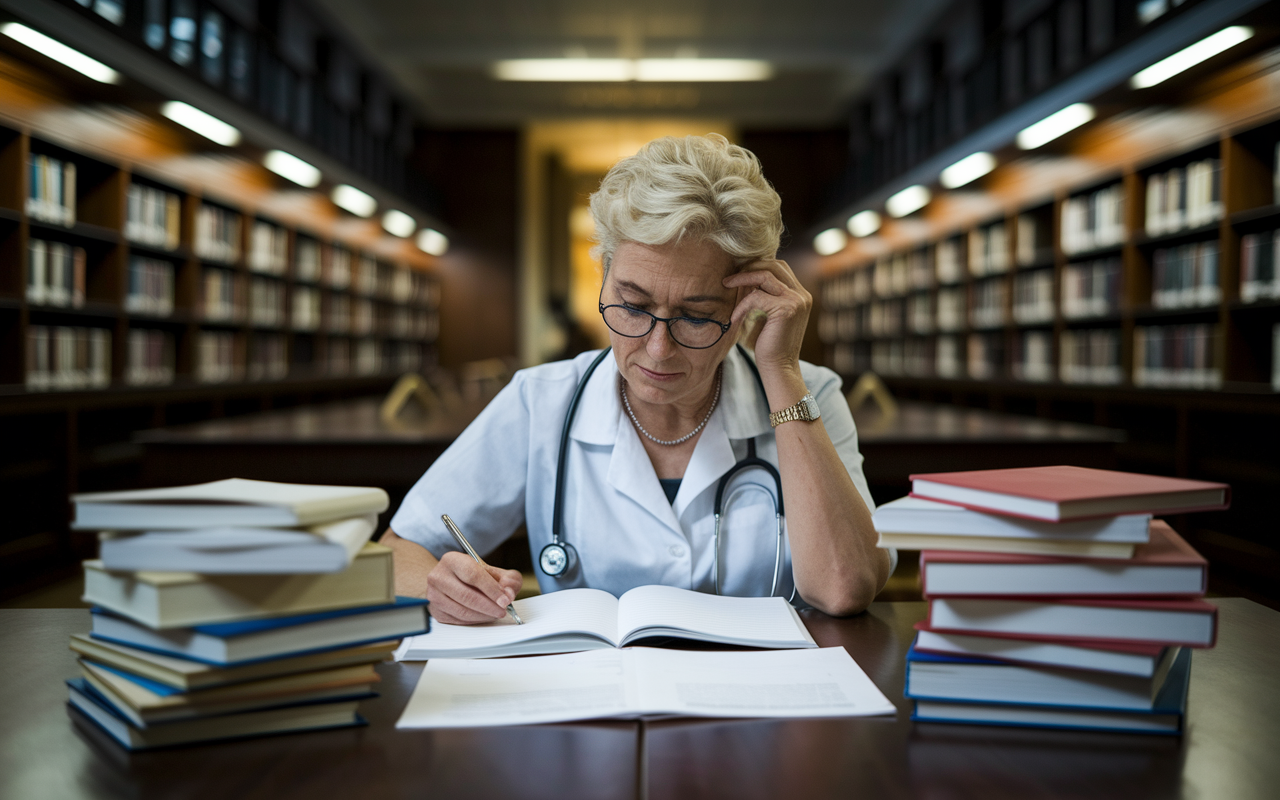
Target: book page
{"type": "Point", "coordinates": [666, 611]}
{"type": "Point", "coordinates": [453, 693]}
{"type": "Point", "coordinates": [571, 611]}
{"type": "Point", "coordinates": [462, 693]}
{"type": "Point", "coordinates": [823, 682]}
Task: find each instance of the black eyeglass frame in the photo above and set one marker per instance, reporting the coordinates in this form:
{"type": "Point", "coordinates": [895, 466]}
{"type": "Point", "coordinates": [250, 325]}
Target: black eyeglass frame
{"type": "Point", "coordinates": [654, 319]}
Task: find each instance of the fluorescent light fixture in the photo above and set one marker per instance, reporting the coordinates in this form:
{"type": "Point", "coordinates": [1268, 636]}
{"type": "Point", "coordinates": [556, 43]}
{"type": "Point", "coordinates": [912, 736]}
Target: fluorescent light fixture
{"type": "Point", "coordinates": [398, 223]}
{"type": "Point", "coordinates": [967, 170]}
{"type": "Point", "coordinates": [597, 70]}
{"type": "Point", "coordinates": [209, 127]}
{"type": "Point", "coordinates": [703, 69]}
{"type": "Point", "coordinates": [1188, 57]}
{"type": "Point", "coordinates": [565, 69]}
{"type": "Point", "coordinates": [1055, 125]}
{"type": "Point", "coordinates": [60, 52]}
{"type": "Point", "coordinates": [433, 242]}
{"type": "Point", "coordinates": [864, 223]}
{"type": "Point", "coordinates": [290, 166]}
{"type": "Point", "coordinates": [908, 201]}
{"type": "Point", "coordinates": [830, 241]}
{"type": "Point", "coordinates": [352, 199]}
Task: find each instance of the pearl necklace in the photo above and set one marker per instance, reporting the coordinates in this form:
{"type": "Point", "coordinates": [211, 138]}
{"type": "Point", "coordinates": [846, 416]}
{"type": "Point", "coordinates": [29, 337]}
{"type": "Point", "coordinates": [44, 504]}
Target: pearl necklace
{"type": "Point", "coordinates": [687, 436]}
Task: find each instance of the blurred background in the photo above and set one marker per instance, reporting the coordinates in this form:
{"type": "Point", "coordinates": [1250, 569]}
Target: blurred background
{"type": "Point", "coordinates": [1037, 231]}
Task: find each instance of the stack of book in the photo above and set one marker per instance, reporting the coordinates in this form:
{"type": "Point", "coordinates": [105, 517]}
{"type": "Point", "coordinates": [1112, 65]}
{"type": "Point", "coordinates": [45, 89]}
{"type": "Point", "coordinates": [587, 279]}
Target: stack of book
{"type": "Point", "coordinates": [1055, 599]}
{"type": "Point", "coordinates": [235, 608]}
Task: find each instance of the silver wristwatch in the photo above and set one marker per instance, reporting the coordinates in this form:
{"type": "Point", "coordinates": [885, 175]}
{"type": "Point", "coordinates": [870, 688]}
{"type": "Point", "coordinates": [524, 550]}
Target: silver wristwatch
{"type": "Point", "coordinates": [806, 409]}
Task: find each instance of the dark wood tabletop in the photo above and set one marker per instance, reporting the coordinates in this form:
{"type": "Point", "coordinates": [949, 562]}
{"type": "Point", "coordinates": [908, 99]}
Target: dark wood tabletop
{"type": "Point", "coordinates": [1228, 750]}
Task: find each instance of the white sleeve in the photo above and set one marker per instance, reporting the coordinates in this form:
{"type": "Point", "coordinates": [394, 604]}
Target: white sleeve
{"type": "Point", "coordinates": [479, 481]}
{"type": "Point", "coordinates": [837, 418]}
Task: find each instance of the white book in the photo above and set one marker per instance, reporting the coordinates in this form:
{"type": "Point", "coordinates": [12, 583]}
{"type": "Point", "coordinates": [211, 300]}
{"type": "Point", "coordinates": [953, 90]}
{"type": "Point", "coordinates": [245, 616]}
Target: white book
{"type": "Point", "coordinates": [1137, 660]}
{"type": "Point", "coordinates": [459, 693]}
{"type": "Point", "coordinates": [230, 502]}
{"type": "Point", "coordinates": [996, 682]}
{"type": "Point", "coordinates": [230, 726]}
{"type": "Point", "coordinates": [328, 547]}
{"type": "Point", "coordinates": [590, 619]}
{"type": "Point", "coordinates": [915, 515]}
{"type": "Point", "coordinates": [37, 271]}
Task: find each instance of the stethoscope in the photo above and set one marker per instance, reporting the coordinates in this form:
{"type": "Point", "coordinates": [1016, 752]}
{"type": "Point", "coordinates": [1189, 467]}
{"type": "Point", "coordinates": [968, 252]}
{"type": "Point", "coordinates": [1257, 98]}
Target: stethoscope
{"type": "Point", "coordinates": [560, 557]}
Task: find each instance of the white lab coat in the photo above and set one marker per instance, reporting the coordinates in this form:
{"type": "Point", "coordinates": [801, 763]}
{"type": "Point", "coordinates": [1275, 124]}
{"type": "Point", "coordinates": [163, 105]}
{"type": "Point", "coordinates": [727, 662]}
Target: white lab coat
{"type": "Point", "coordinates": [501, 472]}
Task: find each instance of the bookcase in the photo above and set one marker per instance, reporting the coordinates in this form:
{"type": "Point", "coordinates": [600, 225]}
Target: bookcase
{"type": "Point", "coordinates": [128, 303]}
{"type": "Point", "coordinates": [1160, 276]}
{"type": "Point", "coordinates": [1146, 298]}
{"type": "Point", "coordinates": [108, 278]}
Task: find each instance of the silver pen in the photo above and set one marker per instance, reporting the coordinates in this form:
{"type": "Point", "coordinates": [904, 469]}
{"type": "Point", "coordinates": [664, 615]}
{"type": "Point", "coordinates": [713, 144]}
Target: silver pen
{"type": "Point", "coordinates": [471, 551]}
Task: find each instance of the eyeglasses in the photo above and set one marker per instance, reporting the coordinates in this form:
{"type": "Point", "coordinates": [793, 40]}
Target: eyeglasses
{"type": "Point", "coordinates": [695, 334]}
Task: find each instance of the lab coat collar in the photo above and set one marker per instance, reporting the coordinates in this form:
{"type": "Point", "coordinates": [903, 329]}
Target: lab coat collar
{"type": "Point", "coordinates": [743, 406]}
{"type": "Point", "coordinates": [600, 408]}
{"type": "Point", "coordinates": [746, 409]}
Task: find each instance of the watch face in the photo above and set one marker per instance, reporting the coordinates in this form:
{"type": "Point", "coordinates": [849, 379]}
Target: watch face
{"type": "Point", "coordinates": [811, 405]}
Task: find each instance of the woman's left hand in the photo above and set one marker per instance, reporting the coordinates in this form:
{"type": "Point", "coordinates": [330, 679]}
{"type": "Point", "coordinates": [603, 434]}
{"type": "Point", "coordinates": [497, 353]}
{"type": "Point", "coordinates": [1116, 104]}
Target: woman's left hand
{"type": "Point", "coordinates": [771, 287]}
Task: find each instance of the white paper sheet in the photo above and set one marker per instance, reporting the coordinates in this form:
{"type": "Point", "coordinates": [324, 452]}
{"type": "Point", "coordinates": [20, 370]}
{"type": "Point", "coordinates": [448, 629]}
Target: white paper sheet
{"type": "Point", "coordinates": [826, 682]}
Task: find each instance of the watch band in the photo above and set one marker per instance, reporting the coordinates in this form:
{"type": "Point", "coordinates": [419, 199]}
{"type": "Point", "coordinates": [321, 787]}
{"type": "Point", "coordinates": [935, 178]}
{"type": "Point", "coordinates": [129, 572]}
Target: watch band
{"type": "Point", "coordinates": [806, 409]}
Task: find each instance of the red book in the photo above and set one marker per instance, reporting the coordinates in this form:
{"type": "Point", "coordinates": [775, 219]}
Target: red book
{"type": "Point", "coordinates": [1127, 658]}
{"type": "Point", "coordinates": [1166, 566]}
{"type": "Point", "coordinates": [1061, 493]}
{"type": "Point", "coordinates": [1183, 622]}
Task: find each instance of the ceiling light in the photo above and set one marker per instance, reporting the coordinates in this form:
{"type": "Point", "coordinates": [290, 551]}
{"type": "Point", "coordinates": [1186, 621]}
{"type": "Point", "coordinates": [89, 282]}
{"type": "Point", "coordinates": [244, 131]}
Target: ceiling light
{"type": "Point", "coordinates": [433, 242]}
{"type": "Point", "coordinates": [1188, 57]}
{"type": "Point", "coordinates": [908, 201]}
{"type": "Point", "coordinates": [1055, 125]}
{"type": "Point", "coordinates": [352, 199]}
{"type": "Point", "coordinates": [398, 223]}
{"type": "Point", "coordinates": [596, 70]}
{"type": "Point", "coordinates": [967, 170]}
{"type": "Point", "coordinates": [209, 127]}
{"type": "Point", "coordinates": [60, 52]}
{"type": "Point", "coordinates": [703, 69]}
{"type": "Point", "coordinates": [565, 69]}
{"type": "Point", "coordinates": [293, 168]}
{"type": "Point", "coordinates": [830, 241]}
{"type": "Point", "coordinates": [864, 223]}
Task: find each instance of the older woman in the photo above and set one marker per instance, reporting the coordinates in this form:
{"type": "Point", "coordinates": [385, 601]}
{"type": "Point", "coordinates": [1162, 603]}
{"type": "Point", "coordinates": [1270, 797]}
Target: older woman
{"type": "Point", "coordinates": [688, 231]}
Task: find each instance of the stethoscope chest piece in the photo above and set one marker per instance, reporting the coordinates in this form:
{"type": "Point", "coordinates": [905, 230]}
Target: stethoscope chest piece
{"type": "Point", "coordinates": [557, 559]}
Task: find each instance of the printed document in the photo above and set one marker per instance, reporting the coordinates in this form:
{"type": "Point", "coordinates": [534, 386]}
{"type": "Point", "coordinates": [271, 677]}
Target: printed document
{"type": "Point", "coordinates": [464, 693]}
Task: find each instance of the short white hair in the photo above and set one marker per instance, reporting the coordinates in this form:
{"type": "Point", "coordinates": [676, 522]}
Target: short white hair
{"type": "Point", "coordinates": [700, 187]}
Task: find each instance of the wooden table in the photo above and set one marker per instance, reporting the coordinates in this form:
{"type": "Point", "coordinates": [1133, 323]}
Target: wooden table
{"type": "Point", "coordinates": [926, 437]}
{"type": "Point", "coordinates": [1228, 751]}
{"type": "Point", "coordinates": [346, 442]}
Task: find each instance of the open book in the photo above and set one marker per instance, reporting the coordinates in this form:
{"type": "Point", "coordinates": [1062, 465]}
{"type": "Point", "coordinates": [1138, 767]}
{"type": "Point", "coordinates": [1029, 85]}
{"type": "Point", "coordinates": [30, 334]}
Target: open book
{"type": "Point", "coordinates": [589, 619]}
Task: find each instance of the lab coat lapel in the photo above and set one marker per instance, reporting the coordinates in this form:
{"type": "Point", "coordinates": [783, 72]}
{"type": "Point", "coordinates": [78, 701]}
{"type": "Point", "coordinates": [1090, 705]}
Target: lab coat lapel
{"type": "Point", "coordinates": [631, 473]}
{"type": "Point", "coordinates": [712, 457]}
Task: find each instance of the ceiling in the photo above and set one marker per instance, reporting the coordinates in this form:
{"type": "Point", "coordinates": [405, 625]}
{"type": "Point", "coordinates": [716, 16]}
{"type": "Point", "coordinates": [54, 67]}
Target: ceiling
{"type": "Point", "coordinates": [823, 51]}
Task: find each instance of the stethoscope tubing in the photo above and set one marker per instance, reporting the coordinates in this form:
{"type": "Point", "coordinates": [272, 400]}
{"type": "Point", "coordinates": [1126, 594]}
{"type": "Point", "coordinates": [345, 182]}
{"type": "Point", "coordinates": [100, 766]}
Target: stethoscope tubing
{"type": "Point", "coordinates": [558, 542]}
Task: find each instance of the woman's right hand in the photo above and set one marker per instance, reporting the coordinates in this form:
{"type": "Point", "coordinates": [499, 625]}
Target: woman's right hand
{"type": "Point", "coordinates": [463, 591]}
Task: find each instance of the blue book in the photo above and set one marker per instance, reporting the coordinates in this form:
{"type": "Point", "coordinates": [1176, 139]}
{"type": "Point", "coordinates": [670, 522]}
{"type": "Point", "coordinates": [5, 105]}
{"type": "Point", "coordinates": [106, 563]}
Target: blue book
{"type": "Point", "coordinates": [934, 676]}
{"type": "Point", "coordinates": [1164, 717]}
{"type": "Point", "coordinates": [290, 719]}
{"type": "Point", "coordinates": [133, 698]}
{"type": "Point", "coordinates": [236, 643]}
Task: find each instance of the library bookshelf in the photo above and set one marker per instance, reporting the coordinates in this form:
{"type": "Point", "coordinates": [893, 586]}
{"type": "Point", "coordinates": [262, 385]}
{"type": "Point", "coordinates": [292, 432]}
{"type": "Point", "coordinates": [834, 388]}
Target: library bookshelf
{"type": "Point", "coordinates": [1144, 298]}
{"type": "Point", "coordinates": [127, 302]}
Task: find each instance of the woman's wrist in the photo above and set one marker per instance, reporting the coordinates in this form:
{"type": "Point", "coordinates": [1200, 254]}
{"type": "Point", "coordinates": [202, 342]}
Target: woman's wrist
{"type": "Point", "coordinates": [784, 385]}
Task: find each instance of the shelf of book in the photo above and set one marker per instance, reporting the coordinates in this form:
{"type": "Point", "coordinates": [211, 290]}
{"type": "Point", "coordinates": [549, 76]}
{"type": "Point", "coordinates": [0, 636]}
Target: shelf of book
{"type": "Point", "coordinates": [128, 302]}
{"type": "Point", "coordinates": [90, 250]}
{"type": "Point", "coordinates": [1149, 274]}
